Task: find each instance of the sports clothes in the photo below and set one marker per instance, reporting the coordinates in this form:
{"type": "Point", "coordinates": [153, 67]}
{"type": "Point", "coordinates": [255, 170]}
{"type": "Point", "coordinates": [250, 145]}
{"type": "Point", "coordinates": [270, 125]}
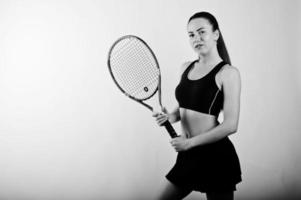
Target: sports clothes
{"type": "Point", "coordinates": [200, 95]}
{"type": "Point", "coordinates": [212, 167]}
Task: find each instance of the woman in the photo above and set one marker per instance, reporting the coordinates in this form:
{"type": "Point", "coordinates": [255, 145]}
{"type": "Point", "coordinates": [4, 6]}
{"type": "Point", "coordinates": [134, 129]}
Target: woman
{"type": "Point", "coordinates": [207, 160]}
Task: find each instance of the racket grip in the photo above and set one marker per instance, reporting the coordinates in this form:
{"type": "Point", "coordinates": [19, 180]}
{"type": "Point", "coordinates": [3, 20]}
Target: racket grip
{"type": "Point", "coordinates": [170, 129]}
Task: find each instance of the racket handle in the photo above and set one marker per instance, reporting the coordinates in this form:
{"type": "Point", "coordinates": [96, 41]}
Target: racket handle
{"type": "Point", "coordinates": [170, 129]}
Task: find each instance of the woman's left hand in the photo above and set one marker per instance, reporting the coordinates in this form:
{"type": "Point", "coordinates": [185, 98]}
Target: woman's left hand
{"type": "Point", "coordinates": [181, 143]}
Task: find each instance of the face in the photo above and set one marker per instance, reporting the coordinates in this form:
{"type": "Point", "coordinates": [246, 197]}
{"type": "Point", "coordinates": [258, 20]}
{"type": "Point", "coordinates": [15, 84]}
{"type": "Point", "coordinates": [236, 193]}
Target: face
{"type": "Point", "coordinates": [201, 36]}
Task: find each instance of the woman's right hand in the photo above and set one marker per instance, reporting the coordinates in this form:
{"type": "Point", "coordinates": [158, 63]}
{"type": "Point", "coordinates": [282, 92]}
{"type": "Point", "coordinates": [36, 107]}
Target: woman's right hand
{"type": "Point", "coordinates": [161, 117]}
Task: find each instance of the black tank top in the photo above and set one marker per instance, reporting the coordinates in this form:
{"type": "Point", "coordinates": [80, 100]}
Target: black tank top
{"type": "Point", "coordinates": [202, 94]}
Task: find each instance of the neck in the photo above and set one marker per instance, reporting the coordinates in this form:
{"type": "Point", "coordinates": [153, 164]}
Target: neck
{"type": "Point", "coordinates": [211, 57]}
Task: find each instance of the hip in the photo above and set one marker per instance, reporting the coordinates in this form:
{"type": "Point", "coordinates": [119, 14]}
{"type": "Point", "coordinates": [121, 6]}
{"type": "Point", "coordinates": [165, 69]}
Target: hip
{"type": "Point", "coordinates": [219, 152]}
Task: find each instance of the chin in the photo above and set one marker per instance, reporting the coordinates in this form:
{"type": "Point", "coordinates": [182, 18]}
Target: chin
{"type": "Point", "coordinates": [201, 52]}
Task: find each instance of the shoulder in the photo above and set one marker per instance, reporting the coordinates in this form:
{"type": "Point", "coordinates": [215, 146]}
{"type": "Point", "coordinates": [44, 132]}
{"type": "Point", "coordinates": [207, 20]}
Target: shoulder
{"type": "Point", "coordinates": [184, 66]}
{"type": "Point", "coordinates": [229, 73]}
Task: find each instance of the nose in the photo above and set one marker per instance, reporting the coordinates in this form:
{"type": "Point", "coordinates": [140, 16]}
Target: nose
{"type": "Point", "coordinates": [197, 37]}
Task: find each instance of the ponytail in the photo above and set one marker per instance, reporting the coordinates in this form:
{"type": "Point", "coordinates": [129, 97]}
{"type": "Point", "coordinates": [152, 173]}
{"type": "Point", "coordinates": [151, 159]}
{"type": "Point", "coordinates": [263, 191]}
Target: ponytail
{"type": "Point", "coordinates": [222, 49]}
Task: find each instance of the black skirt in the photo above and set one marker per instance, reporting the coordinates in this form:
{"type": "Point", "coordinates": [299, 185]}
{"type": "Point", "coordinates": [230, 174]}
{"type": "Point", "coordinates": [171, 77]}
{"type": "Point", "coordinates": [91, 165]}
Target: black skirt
{"type": "Point", "coordinates": [213, 167]}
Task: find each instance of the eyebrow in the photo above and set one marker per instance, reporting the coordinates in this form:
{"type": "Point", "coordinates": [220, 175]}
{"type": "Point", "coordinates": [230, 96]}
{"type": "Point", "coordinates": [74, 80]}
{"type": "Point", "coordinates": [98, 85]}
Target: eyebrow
{"type": "Point", "coordinates": [197, 30]}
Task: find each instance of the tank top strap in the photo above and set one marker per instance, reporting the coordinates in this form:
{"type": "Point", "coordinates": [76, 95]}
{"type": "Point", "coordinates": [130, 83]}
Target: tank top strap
{"type": "Point", "coordinates": [218, 67]}
{"type": "Point", "coordinates": [186, 71]}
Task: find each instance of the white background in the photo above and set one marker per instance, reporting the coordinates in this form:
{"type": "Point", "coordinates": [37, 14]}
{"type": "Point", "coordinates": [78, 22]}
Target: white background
{"type": "Point", "coordinates": [66, 131]}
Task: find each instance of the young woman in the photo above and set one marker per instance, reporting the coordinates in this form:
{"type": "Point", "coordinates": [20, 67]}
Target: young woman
{"type": "Point", "coordinates": [207, 160]}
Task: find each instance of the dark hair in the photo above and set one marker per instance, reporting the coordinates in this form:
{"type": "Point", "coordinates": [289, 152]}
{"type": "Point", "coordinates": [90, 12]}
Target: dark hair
{"type": "Point", "coordinates": [221, 46]}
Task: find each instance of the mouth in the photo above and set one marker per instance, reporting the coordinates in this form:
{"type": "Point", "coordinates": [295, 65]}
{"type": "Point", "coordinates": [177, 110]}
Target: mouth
{"type": "Point", "coordinates": [198, 46]}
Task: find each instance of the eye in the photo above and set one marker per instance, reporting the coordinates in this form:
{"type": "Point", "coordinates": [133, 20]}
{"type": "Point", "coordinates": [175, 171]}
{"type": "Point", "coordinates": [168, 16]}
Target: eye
{"type": "Point", "coordinates": [202, 32]}
{"type": "Point", "coordinates": [191, 35]}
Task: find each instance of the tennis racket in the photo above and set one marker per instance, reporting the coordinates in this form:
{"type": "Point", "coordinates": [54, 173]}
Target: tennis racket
{"type": "Point", "coordinates": [135, 70]}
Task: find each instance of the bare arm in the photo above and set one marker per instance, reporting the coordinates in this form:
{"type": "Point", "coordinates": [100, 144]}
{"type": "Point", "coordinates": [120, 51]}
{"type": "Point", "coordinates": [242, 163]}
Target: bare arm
{"type": "Point", "coordinates": [174, 115]}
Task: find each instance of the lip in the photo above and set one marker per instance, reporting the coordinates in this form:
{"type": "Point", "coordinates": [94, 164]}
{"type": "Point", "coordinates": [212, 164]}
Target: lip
{"type": "Point", "coordinates": [198, 45]}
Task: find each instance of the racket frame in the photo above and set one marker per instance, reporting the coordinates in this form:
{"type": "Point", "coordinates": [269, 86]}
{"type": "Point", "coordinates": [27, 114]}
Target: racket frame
{"type": "Point", "coordinates": [166, 124]}
{"type": "Point", "coordinates": [158, 88]}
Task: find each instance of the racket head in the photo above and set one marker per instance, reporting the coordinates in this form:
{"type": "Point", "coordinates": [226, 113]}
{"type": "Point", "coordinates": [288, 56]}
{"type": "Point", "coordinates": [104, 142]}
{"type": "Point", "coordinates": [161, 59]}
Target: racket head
{"type": "Point", "coordinates": [134, 68]}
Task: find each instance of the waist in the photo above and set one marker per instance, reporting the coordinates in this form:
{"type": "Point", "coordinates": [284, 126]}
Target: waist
{"type": "Point", "coordinates": [195, 123]}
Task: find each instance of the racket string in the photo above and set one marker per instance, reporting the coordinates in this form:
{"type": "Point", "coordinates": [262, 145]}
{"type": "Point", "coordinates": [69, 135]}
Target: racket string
{"type": "Point", "coordinates": [135, 68]}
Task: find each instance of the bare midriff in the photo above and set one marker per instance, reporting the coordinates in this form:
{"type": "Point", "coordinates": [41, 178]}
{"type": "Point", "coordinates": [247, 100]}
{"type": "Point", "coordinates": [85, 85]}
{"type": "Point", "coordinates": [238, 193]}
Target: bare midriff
{"type": "Point", "coordinates": [195, 123]}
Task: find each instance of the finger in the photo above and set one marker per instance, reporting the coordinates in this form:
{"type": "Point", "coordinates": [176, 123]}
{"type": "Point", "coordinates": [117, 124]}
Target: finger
{"type": "Point", "coordinates": [162, 120]}
{"type": "Point", "coordinates": [183, 136]}
{"type": "Point", "coordinates": [161, 116]}
{"type": "Point", "coordinates": [160, 123]}
{"type": "Point", "coordinates": [173, 142]}
{"type": "Point", "coordinates": [155, 114]}
{"type": "Point", "coordinates": [164, 110]}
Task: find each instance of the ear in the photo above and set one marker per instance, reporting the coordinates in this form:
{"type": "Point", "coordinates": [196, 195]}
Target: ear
{"type": "Point", "coordinates": [216, 34]}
